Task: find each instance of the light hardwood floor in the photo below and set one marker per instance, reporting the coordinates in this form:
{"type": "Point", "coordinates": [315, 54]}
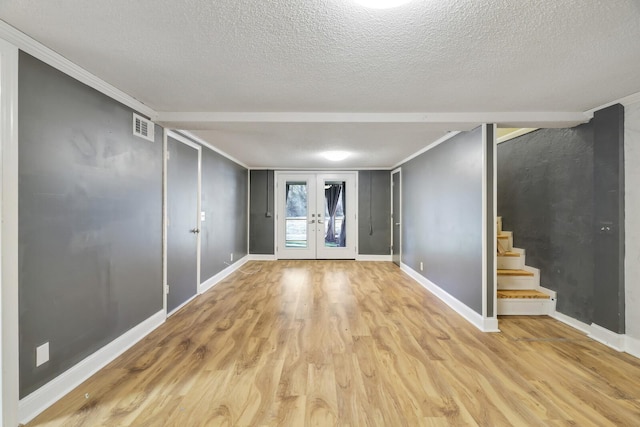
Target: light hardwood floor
{"type": "Point", "coordinates": [321, 343]}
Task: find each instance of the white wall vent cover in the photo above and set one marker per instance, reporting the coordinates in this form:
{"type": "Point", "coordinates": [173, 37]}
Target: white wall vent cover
{"type": "Point", "coordinates": [143, 128]}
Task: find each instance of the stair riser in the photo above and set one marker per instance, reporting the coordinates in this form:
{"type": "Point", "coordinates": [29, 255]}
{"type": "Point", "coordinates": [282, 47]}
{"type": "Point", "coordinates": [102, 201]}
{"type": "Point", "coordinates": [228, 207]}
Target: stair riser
{"type": "Point", "coordinates": [510, 263]}
{"type": "Point", "coordinates": [525, 307]}
{"type": "Point", "coordinates": [515, 282]}
{"type": "Point", "coordinates": [507, 244]}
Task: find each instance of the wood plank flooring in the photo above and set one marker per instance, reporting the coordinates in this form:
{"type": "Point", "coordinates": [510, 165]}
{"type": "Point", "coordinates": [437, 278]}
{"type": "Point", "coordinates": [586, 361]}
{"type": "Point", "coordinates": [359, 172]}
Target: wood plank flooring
{"type": "Point", "coordinates": [322, 343]}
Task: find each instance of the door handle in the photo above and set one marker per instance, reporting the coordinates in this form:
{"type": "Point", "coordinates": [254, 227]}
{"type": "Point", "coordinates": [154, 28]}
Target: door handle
{"type": "Point", "coordinates": [397, 223]}
{"type": "Point", "coordinates": [194, 231]}
{"type": "Point", "coordinates": [312, 221]}
{"type": "Point", "coordinates": [320, 222]}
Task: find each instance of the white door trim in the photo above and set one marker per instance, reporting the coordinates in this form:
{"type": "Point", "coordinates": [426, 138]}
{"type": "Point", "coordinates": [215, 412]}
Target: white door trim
{"type": "Point", "coordinates": [394, 218]}
{"type": "Point", "coordinates": [9, 313]}
{"type": "Point", "coordinates": [198, 148]}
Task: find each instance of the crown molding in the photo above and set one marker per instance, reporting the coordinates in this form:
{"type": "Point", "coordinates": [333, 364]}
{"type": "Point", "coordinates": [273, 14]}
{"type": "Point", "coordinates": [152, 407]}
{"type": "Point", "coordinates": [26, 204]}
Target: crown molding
{"type": "Point", "coordinates": [625, 101]}
{"type": "Point", "coordinates": [48, 56]}
{"type": "Point", "coordinates": [197, 139]}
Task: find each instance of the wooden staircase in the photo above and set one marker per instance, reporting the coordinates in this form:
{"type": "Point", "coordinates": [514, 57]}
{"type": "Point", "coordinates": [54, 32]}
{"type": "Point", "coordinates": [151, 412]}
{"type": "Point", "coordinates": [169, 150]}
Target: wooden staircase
{"type": "Point", "coordinates": [519, 290]}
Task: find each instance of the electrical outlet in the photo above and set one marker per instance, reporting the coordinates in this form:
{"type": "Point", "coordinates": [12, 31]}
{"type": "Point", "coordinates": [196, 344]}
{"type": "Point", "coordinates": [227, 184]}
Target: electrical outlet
{"type": "Point", "coordinates": [421, 266]}
{"type": "Point", "coordinates": [42, 354]}
{"type": "Point", "coordinates": [231, 257]}
{"type": "Point", "coordinates": [203, 216]}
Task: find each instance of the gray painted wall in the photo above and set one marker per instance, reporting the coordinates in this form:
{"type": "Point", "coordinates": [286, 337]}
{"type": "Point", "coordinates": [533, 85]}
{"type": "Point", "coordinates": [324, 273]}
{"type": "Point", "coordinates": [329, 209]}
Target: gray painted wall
{"type": "Point", "coordinates": [442, 216]}
{"type": "Point", "coordinates": [90, 221]}
{"type": "Point", "coordinates": [224, 199]}
{"type": "Point", "coordinates": [374, 212]}
{"type": "Point", "coordinates": [545, 196]}
{"type": "Point", "coordinates": [261, 226]}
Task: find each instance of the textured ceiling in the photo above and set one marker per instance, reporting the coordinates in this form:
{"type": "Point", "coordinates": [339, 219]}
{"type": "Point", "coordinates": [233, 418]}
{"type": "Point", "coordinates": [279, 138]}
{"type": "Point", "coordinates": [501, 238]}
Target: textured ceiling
{"type": "Point", "coordinates": [451, 56]}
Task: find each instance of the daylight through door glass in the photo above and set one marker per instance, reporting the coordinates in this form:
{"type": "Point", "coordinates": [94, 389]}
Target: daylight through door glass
{"type": "Point", "coordinates": [296, 229]}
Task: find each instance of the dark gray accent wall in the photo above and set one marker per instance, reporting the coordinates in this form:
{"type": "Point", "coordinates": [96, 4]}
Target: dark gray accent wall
{"type": "Point", "coordinates": [224, 201]}
{"type": "Point", "coordinates": [90, 203]}
{"type": "Point", "coordinates": [608, 178]}
{"type": "Point", "coordinates": [374, 212]}
{"type": "Point", "coordinates": [545, 196]}
{"type": "Point", "coordinates": [442, 216]}
{"type": "Point", "coordinates": [262, 212]}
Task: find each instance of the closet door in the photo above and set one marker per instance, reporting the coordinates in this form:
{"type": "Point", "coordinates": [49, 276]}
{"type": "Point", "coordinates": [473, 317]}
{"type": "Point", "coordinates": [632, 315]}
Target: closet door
{"type": "Point", "coordinates": [183, 204]}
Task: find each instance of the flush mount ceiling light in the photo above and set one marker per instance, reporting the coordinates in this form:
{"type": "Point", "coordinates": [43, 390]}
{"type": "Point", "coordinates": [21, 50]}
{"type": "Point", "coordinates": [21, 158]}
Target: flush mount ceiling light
{"type": "Point", "coordinates": [381, 4]}
{"type": "Point", "coordinates": [335, 156]}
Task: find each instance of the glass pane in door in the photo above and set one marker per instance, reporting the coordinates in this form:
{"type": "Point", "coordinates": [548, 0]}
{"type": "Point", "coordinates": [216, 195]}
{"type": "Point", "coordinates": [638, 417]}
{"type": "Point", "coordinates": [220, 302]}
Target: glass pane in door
{"type": "Point", "coordinates": [296, 235]}
{"type": "Point", "coordinates": [334, 214]}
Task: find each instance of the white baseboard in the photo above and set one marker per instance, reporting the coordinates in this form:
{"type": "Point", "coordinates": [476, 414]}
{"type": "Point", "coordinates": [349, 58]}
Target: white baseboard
{"type": "Point", "coordinates": [489, 324]}
{"type": "Point", "coordinates": [213, 280]}
{"type": "Point", "coordinates": [570, 321]}
{"type": "Point", "coordinates": [632, 346]}
{"type": "Point", "coordinates": [617, 342]}
{"type": "Point", "coordinates": [607, 337]}
{"type": "Point", "coordinates": [32, 405]}
{"type": "Point", "coordinates": [261, 257]}
{"type": "Point", "coordinates": [178, 308]}
{"type": "Point", "coordinates": [379, 258]}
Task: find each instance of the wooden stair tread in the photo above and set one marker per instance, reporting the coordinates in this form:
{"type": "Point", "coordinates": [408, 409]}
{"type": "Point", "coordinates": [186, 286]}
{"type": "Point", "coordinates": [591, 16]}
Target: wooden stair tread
{"type": "Point", "coordinates": [510, 254]}
{"type": "Point", "coordinates": [503, 236]}
{"type": "Point", "coordinates": [524, 273]}
{"type": "Point", "coordinates": [521, 294]}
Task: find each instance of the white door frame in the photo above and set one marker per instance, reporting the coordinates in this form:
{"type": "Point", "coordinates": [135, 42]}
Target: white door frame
{"type": "Point", "coordinates": [9, 314]}
{"type": "Point", "coordinates": [165, 222]}
{"type": "Point", "coordinates": [396, 218]}
{"type": "Point", "coordinates": [318, 176]}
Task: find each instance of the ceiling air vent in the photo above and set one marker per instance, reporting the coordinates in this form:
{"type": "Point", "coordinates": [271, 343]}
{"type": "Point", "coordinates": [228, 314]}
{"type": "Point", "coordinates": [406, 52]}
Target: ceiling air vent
{"type": "Point", "coordinates": [143, 127]}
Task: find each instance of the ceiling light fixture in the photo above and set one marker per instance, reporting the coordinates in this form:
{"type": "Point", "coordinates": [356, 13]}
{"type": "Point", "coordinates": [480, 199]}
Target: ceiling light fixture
{"type": "Point", "coordinates": [381, 4]}
{"type": "Point", "coordinates": [335, 156]}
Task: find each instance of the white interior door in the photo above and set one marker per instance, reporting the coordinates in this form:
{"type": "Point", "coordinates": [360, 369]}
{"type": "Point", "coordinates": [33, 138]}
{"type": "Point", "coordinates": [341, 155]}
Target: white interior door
{"type": "Point", "coordinates": [317, 215]}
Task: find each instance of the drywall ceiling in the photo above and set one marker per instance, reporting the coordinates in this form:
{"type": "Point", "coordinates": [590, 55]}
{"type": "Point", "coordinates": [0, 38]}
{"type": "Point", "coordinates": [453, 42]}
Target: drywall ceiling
{"type": "Point", "coordinates": [465, 57]}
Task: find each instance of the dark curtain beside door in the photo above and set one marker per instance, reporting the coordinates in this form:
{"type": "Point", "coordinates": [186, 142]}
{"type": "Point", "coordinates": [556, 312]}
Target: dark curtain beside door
{"type": "Point", "coordinates": [334, 194]}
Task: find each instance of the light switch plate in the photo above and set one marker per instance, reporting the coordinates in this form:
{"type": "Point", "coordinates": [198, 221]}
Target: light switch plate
{"type": "Point", "coordinates": [42, 354]}
{"type": "Point", "coordinates": [202, 215]}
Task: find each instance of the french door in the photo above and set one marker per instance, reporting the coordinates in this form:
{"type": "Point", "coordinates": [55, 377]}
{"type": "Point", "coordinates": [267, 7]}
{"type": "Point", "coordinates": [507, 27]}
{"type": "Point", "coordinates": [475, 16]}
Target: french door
{"type": "Point", "coordinates": [316, 215]}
